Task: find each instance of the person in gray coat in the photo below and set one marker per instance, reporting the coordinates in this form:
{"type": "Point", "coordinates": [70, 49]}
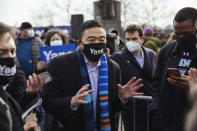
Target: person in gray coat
{"type": "Point", "coordinates": [28, 49]}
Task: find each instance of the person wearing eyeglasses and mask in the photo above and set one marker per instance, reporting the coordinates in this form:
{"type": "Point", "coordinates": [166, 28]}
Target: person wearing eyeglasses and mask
{"type": "Point", "coordinates": [136, 61]}
{"type": "Point", "coordinates": [170, 101]}
{"type": "Point", "coordinates": [86, 89]}
{"type": "Point", "coordinates": [28, 49]}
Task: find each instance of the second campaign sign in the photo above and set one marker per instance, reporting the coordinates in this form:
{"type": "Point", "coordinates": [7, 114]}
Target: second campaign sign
{"type": "Point", "coordinates": [49, 52]}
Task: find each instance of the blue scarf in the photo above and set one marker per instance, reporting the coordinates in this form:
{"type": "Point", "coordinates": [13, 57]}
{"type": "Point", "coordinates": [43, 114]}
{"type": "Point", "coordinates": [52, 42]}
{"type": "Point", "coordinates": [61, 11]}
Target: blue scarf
{"type": "Point", "coordinates": [104, 122]}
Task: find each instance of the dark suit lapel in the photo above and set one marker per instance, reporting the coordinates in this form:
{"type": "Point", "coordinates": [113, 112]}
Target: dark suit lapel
{"type": "Point", "coordinates": [14, 106]}
{"type": "Point", "coordinates": [97, 112]}
{"type": "Point", "coordinates": [130, 58]}
{"type": "Point", "coordinates": [194, 63]}
{"type": "Point", "coordinates": [194, 59]}
{"type": "Point", "coordinates": [147, 65]}
{"type": "Point", "coordinates": [76, 70]}
{"type": "Point", "coordinates": [110, 70]}
{"type": "Point", "coordinates": [173, 60]}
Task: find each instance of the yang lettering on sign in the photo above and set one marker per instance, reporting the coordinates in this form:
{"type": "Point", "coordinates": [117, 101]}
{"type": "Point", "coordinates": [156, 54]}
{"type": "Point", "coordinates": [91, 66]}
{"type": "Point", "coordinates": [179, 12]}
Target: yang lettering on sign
{"type": "Point", "coordinates": [49, 52]}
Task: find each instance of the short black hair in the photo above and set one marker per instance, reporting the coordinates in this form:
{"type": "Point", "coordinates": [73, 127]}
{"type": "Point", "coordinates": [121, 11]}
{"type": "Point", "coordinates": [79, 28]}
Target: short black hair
{"type": "Point", "coordinates": [86, 25]}
{"type": "Point", "coordinates": [187, 13]}
{"type": "Point", "coordinates": [25, 25]}
{"type": "Point", "coordinates": [133, 28]}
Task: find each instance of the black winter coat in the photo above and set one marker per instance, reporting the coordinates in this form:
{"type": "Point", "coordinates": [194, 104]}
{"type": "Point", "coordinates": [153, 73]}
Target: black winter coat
{"type": "Point", "coordinates": [15, 111]}
{"type": "Point", "coordinates": [130, 68]}
{"type": "Point", "coordinates": [65, 71]}
{"type": "Point", "coordinates": [169, 103]}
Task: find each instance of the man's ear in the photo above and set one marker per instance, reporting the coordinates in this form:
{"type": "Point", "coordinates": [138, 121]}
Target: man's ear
{"type": "Point", "coordinates": [142, 40]}
{"type": "Point", "coordinates": [79, 44]}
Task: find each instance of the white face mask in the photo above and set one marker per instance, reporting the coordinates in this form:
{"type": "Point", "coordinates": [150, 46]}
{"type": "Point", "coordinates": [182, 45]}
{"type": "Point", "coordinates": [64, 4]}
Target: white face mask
{"type": "Point", "coordinates": [133, 46]}
{"type": "Point", "coordinates": [56, 42]}
{"type": "Point", "coordinates": [30, 33]}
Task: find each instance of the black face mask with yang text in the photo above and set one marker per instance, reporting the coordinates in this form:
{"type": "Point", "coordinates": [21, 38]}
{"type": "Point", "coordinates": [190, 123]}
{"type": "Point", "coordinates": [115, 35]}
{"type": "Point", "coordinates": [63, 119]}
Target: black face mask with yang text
{"type": "Point", "coordinates": [93, 51]}
{"type": "Point", "coordinates": [7, 70]}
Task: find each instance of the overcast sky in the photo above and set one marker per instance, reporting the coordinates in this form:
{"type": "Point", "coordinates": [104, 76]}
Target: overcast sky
{"type": "Point", "coordinates": [13, 12]}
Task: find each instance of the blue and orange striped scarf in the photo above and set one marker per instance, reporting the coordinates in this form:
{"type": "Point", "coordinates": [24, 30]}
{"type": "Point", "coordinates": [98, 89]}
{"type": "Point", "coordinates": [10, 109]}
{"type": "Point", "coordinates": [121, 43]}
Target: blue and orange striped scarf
{"type": "Point", "coordinates": [103, 96]}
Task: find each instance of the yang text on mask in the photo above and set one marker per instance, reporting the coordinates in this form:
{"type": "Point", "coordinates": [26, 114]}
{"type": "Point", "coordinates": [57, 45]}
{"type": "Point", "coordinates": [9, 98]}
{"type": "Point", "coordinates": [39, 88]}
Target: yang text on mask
{"type": "Point", "coordinates": [96, 52]}
{"type": "Point", "coordinates": [7, 71]}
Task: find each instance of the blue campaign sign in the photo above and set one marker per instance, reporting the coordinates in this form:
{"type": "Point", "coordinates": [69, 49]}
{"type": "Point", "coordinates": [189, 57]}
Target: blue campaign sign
{"type": "Point", "coordinates": [65, 29]}
{"type": "Point", "coordinates": [49, 52]}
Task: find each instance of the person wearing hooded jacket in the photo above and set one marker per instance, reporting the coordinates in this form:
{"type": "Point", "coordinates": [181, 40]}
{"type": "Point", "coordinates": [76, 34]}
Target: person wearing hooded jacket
{"type": "Point", "coordinates": [151, 42]}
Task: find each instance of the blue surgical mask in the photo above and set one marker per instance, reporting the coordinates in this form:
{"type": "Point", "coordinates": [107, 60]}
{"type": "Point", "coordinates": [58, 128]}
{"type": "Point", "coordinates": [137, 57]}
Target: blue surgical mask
{"type": "Point", "coordinates": [30, 33]}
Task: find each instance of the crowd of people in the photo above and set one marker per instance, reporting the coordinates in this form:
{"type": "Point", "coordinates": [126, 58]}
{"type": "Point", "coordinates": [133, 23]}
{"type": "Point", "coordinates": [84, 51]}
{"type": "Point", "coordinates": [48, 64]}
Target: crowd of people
{"type": "Point", "coordinates": [93, 86]}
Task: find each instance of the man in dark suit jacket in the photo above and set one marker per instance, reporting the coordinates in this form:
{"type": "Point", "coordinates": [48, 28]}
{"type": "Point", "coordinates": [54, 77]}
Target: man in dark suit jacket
{"type": "Point", "coordinates": [64, 96]}
{"type": "Point", "coordinates": [12, 117]}
{"type": "Point", "coordinates": [170, 101]}
{"type": "Point", "coordinates": [140, 62]}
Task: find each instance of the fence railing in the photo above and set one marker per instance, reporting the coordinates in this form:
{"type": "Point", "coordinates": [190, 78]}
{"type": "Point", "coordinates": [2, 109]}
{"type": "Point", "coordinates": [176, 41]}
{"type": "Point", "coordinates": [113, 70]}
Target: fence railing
{"type": "Point", "coordinates": [148, 99]}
